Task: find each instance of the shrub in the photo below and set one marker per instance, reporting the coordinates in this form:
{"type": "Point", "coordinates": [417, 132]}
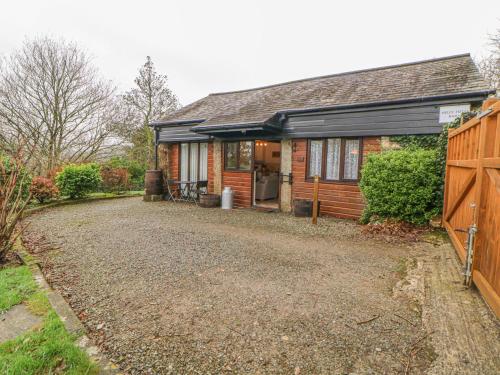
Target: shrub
{"type": "Point", "coordinates": [401, 185]}
{"type": "Point", "coordinates": [76, 181]}
{"type": "Point", "coordinates": [11, 165]}
{"type": "Point", "coordinates": [427, 141]}
{"type": "Point", "coordinates": [114, 179]}
{"type": "Point", "coordinates": [136, 171]}
{"type": "Point", "coordinates": [43, 189]}
{"type": "Point", "coordinates": [437, 142]}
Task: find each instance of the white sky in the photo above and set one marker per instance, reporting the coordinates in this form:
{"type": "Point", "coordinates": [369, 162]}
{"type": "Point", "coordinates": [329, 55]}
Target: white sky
{"type": "Point", "coordinates": [211, 46]}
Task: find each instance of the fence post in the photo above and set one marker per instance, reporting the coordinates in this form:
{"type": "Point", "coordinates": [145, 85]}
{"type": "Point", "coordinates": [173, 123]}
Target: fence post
{"type": "Point", "coordinates": [315, 200]}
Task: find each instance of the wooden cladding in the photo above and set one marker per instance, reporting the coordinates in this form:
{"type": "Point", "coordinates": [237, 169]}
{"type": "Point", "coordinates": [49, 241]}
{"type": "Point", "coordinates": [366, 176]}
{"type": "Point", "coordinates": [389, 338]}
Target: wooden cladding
{"type": "Point", "coordinates": [339, 199]}
{"type": "Point", "coordinates": [472, 196]}
{"type": "Point", "coordinates": [241, 184]}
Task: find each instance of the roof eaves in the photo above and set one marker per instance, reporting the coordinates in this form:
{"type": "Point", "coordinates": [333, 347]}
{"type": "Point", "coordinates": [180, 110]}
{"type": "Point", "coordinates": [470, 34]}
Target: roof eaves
{"type": "Point", "coordinates": [389, 102]}
{"type": "Point", "coordinates": [161, 123]}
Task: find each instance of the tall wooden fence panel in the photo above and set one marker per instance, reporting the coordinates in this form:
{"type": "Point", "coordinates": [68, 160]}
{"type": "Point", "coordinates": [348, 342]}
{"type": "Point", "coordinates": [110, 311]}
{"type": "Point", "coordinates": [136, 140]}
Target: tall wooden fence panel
{"type": "Point", "coordinates": [472, 195]}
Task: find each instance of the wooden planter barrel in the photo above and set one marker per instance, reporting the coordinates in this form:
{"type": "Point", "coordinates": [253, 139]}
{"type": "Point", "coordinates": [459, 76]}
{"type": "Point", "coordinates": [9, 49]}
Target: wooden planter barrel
{"type": "Point", "coordinates": [209, 200]}
{"type": "Point", "coordinates": [153, 182]}
{"type": "Point", "coordinates": [304, 207]}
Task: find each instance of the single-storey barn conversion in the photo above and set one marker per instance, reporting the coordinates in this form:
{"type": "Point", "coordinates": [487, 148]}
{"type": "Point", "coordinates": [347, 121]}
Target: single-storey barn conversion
{"type": "Point", "coordinates": [268, 143]}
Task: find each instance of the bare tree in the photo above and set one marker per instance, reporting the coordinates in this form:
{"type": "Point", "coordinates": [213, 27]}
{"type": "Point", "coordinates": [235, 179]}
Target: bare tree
{"type": "Point", "coordinates": [151, 99]}
{"type": "Point", "coordinates": [52, 96]}
{"type": "Point", "coordinates": [490, 66]}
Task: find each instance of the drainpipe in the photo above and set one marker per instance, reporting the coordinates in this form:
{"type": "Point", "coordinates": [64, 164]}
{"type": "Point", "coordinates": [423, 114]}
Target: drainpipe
{"type": "Point", "coordinates": [156, 147]}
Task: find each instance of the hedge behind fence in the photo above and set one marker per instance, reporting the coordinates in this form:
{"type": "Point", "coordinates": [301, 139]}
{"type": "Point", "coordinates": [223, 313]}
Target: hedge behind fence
{"type": "Point", "coordinates": [402, 185]}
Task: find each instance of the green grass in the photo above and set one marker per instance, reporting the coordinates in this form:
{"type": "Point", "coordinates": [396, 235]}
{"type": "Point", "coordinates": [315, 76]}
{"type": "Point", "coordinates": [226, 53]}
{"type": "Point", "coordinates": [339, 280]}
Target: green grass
{"type": "Point", "coordinates": [48, 350]}
{"type": "Point", "coordinates": [38, 303]}
{"type": "Point", "coordinates": [34, 205]}
{"type": "Point", "coordinates": [16, 285]}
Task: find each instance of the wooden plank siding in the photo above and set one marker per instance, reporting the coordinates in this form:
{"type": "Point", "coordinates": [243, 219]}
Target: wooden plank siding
{"type": "Point", "coordinates": [343, 200]}
{"type": "Point", "coordinates": [241, 184]}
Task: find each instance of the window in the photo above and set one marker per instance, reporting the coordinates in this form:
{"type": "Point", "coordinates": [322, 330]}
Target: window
{"type": "Point", "coordinates": [238, 155]}
{"type": "Point", "coordinates": [334, 159]}
{"type": "Point", "coordinates": [194, 162]}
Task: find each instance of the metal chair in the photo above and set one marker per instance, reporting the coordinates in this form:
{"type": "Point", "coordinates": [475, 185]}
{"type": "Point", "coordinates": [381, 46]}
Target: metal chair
{"type": "Point", "coordinates": [173, 190]}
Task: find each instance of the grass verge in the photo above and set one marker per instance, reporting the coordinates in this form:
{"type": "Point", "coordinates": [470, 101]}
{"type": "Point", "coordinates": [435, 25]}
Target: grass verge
{"type": "Point", "coordinates": [47, 349]}
{"type": "Point", "coordinates": [35, 206]}
{"type": "Point", "coordinates": [16, 285]}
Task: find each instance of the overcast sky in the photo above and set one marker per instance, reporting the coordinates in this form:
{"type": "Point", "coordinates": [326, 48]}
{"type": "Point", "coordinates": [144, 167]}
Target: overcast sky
{"type": "Point", "coordinates": [213, 46]}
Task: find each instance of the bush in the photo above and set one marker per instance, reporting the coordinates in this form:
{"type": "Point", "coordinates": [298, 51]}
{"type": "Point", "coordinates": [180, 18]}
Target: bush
{"type": "Point", "coordinates": [402, 185]}
{"type": "Point", "coordinates": [23, 176]}
{"type": "Point", "coordinates": [437, 142]}
{"type": "Point", "coordinates": [136, 171]}
{"type": "Point", "coordinates": [43, 189]}
{"type": "Point", "coordinates": [77, 181]}
{"type": "Point", "coordinates": [427, 141]}
{"type": "Point", "coordinates": [114, 179]}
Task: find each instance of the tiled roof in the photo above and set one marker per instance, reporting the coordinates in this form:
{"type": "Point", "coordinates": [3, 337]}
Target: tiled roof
{"type": "Point", "coordinates": [417, 80]}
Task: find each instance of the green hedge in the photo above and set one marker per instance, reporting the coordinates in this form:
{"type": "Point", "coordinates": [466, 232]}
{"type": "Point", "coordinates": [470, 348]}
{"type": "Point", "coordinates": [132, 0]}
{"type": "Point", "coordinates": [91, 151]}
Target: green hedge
{"type": "Point", "coordinates": [76, 181]}
{"type": "Point", "coordinates": [135, 169]}
{"type": "Point", "coordinates": [402, 185]}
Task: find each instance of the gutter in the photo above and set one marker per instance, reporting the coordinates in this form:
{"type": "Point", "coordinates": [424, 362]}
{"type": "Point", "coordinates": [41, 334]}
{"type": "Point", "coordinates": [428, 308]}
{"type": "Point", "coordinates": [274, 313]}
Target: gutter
{"type": "Point", "coordinates": [161, 123]}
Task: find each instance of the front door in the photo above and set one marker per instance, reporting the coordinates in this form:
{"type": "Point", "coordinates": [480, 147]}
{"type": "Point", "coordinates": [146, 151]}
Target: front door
{"type": "Point", "coordinates": [266, 174]}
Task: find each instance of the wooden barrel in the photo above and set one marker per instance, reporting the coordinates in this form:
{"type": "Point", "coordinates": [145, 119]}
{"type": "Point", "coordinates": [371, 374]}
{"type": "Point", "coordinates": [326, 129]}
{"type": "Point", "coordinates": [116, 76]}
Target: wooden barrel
{"type": "Point", "coordinates": [304, 207]}
{"type": "Point", "coordinates": [153, 182]}
{"type": "Point", "coordinates": [209, 200]}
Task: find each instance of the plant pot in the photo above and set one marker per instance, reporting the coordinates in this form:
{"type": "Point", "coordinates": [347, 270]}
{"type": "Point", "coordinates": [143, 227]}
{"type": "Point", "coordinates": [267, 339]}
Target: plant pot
{"type": "Point", "coordinates": [209, 200]}
{"type": "Point", "coordinates": [304, 207]}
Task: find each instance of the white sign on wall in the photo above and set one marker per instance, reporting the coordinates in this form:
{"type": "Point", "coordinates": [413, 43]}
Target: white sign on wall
{"type": "Point", "coordinates": [448, 113]}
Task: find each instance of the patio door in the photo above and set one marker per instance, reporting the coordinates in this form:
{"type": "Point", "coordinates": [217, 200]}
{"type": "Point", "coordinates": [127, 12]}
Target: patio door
{"type": "Point", "coordinates": [194, 162]}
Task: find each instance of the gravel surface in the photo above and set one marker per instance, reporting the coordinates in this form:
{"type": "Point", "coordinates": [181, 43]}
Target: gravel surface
{"type": "Point", "coordinates": [174, 288]}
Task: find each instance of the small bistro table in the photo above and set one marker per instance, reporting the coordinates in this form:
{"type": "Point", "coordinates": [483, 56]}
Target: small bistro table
{"type": "Point", "coordinates": [186, 191]}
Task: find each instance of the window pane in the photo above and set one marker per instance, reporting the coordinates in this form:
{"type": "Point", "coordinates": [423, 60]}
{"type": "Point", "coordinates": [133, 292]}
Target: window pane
{"type": "Point", "coordinates": [193, 163]}
{"type": "Point", "coordinates": [333, 159]}
{"type": "Point", "coordinates": [231, 149]}
{"type": "Point", "coordinates": [351, 159]}
{"type": "Point", "coordinates": [203, 161]}
{"type": "Point", "coordinates": [315, 156]}
{"type": "Point", "coordinates": [245, 155]}
{"type": "Point", "coordinates": [184, 161]}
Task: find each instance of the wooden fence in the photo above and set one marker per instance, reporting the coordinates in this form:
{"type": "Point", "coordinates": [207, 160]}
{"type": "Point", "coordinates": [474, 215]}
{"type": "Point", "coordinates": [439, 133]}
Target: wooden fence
{"type": "Point", "coordinates": [472, 196]}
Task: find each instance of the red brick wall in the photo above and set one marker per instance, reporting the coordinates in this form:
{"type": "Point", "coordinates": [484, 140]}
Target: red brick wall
{"type": "Point", "coordinates": [173, 161]}
{"type": "Point", "coordinates": [210, 168]}
{"type": "Point", "coordinates": [342, 200]}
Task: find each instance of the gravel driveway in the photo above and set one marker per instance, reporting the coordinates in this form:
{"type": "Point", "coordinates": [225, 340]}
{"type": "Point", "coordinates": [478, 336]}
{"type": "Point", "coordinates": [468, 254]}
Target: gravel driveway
{"type": "Point", "coordinates": [173, 288]}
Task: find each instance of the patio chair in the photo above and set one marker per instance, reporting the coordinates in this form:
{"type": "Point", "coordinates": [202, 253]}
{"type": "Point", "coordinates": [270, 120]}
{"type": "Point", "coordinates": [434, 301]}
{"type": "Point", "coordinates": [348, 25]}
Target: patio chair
{"type": "Point", "coordinates": [173, 190]}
